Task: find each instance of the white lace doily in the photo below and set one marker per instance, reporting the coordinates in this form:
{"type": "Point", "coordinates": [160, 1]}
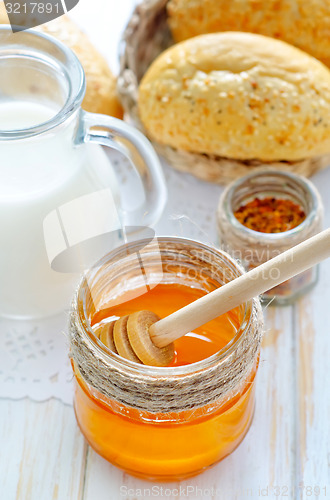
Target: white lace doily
{"type": "Point", "coordinates": [34, 359]}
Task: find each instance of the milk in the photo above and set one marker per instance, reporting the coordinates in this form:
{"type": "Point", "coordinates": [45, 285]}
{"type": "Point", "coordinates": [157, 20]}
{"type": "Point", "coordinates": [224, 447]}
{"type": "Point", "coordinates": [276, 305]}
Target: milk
{"type": "Point", "coordinates": [38, 175]}
{"type": "Point", "coordinates": [18, 115]}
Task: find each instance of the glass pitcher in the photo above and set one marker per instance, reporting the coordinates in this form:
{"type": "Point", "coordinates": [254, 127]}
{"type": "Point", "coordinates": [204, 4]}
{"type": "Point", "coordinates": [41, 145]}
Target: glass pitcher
{"type": "Point", "coordinates": [57, 188]}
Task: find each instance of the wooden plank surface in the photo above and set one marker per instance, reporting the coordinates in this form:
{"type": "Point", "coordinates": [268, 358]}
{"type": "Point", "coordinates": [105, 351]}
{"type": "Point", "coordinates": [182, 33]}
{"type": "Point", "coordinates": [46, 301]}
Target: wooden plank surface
{"type": "Point", "coordinates": [312, 359]}
{"type": "Point", "coordinates": [42, 451]}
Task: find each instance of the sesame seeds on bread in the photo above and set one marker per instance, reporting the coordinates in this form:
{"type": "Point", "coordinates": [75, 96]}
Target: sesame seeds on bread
{"type": "Point", "coordinates": [302, 23]}
{"type": "Point", "coordinates": [238, 95]}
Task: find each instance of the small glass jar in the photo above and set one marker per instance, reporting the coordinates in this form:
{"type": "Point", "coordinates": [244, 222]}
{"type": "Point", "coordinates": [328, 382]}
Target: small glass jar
{"type": "Point", "coordinates": [163, 423]}
{"type": "Point", "coordinates": [253, 248]}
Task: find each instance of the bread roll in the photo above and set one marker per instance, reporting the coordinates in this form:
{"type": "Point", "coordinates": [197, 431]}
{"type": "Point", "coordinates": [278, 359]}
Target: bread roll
{"type": "Point", "coordinates": [303, 23]}
{"type": "Point", "coordinates": [238, 95]}
{"type": "Point", "coordinates": [101, 94]}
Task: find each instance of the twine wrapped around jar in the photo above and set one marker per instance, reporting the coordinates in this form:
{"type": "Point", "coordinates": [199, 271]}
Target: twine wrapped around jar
{"type": "Point", "coordinates": [146, 36]}
{"type": "Point", "coordinates": [164, 390]}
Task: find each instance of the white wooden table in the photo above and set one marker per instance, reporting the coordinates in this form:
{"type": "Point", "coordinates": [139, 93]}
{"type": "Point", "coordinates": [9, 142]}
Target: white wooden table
{"type": "Point", "coordinates": [286, 454]}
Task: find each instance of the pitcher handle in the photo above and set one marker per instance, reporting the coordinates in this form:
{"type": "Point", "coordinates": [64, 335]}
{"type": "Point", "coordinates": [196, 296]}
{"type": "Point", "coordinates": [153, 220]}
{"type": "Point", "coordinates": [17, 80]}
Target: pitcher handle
{"type": "Point", "coordinates": [136, 147]}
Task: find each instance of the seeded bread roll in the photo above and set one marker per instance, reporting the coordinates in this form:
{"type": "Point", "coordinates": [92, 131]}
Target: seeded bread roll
{"type": "Point", "coordinates": [101, 94]}
{"type": "Point", "coordinates": [303, 23]}
{"type": "Point", "coordinates": [240, 96]}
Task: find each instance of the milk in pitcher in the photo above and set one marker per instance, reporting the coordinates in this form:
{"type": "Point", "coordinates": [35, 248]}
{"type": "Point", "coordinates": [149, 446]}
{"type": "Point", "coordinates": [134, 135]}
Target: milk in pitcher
{"type": "Point", "coordinates": [38, 175]}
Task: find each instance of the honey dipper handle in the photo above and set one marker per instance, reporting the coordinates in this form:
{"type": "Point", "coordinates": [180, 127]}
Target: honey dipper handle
{"type": "Point", "coordinates": [258, 280]}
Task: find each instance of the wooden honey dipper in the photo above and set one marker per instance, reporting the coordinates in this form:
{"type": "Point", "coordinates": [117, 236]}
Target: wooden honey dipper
{"type": "Point", "coordinates": [145, 338]}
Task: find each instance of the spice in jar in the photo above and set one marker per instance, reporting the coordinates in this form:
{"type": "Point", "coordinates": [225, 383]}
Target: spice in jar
{"type": "Point", "coordinates": [270, 215]}
{"type": "Point", "coordinates": [266, 213]}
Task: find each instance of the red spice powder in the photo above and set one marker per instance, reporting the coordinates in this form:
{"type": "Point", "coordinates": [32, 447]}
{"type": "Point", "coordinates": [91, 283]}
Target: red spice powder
{"type": "Point", "coordinates": [270, 215]}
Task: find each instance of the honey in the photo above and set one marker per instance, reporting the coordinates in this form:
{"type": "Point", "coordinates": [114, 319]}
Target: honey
{"type": "Point", "coordinates": [165, 299]}
{"type": "Point", "coordinates": [165, 423]}
{"type": "Point", "coordinates": [163, 446]}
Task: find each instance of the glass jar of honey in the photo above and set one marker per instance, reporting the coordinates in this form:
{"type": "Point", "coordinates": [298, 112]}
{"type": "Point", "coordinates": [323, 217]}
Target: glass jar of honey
{"type": "Point", "coordinates": [254, 215]}
{"type": "Point", "coordinates": [164, 423]}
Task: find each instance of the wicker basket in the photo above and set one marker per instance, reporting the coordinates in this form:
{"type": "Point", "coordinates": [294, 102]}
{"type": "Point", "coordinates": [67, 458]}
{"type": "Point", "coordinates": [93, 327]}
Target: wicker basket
{"type": "Point", "coordinates": [146, 36]}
